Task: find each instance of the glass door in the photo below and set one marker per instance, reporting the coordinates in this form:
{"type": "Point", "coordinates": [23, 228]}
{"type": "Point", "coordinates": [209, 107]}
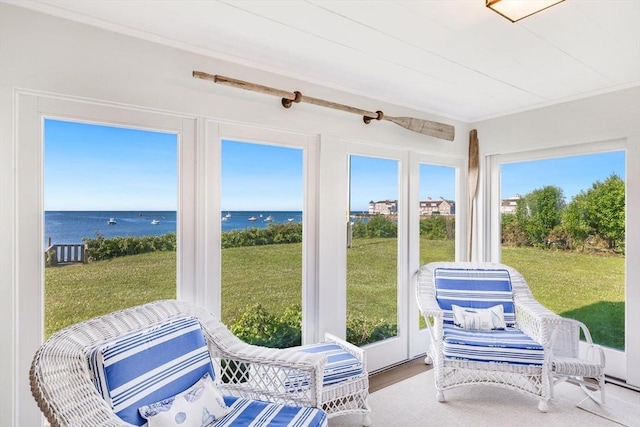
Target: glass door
{"type": "Point", "coordinates": [377, 284]}
{"type": "Point", "coordinates": [434, 227]}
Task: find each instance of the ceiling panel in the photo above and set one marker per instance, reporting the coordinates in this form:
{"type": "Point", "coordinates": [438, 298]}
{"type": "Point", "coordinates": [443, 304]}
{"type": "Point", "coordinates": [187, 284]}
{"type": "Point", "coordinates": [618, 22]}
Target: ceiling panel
{"type": "Point", "coordinates": [453, 58]}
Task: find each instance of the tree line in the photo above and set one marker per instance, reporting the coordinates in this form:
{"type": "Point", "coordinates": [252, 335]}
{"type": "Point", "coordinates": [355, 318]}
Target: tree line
{"type": "Point", "coordinates": [593, 220]}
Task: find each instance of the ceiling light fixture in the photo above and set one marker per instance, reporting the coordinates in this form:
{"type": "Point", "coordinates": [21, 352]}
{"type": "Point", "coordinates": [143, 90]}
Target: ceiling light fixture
{"type": "Point", "coordinates": [515, 10]}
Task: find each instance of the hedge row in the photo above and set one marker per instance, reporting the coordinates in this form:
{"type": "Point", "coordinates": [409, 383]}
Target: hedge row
{"type": "Point", "coordinates": [259, 327]}
{"type": "Point", "coordinates": [101, 248]}
{"type": "Point", "coordinates": [436, 228]}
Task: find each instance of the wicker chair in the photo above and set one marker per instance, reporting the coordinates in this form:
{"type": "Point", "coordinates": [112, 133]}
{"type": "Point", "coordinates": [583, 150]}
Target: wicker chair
{"type": "Point", "coordinates": [518, 357]}
{"type": "Point", "coordinates": [64, 387]}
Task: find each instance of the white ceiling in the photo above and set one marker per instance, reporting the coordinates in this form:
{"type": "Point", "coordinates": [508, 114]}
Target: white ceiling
{"type": "Point", "coordinates": [451, 57]}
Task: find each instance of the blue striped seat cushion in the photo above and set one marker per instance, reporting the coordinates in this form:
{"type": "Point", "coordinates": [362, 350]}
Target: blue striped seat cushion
{"type": "Point", "coordinates": [499, 346]}
{"type": "Point", "coordinates": [474, 288]}
{"type": "Point", "coordinates": [149, 365]}
{"type": "Point", "coordinates": [340, 365]}
{"type": "Point", "coordinates": [255, 413]}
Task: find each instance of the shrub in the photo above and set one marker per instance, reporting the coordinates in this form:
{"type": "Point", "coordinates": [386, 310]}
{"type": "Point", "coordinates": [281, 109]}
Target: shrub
{"type": "Point", "coordinates": [101, 248]}
{"type": "Point", "coordinates": [438, 227]}
{"type": "Point", "coordinates": [363, 330]}
{"type": "Point", "coordinates": [259, 327]}
{"type": "Point", "coordinates": [377, 226]}
{"type": "Point", "coordinates": [272, 234]}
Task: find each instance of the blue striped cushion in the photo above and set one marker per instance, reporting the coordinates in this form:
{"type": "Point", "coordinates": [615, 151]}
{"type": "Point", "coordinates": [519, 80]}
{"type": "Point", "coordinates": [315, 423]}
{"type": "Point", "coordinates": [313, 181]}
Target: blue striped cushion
{"type": "Point", "coordinates": [474, 288]}
{"type": "Point", "coordinates": [255, 413]}
{"type": "Point", "coordinates": [507, 346]}
{"type": "Point", "coordinates": [149, 365]}
{"type": "Point", "coordinates": [340, 365]}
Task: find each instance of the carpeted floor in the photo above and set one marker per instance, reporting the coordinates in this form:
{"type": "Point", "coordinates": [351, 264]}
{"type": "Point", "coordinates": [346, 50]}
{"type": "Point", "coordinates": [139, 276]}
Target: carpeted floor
{"type": "Point", "coordinates": [412, 403]}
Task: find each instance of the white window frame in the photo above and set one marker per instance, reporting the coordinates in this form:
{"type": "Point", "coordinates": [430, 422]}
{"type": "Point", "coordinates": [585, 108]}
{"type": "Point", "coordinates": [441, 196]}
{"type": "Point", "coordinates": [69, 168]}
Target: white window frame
{"type": "Point", "coordinates": [619, 362]}
{"type": "Point", "coordinates": [419, 342]}
{"type": "Point", "coordinates": [32, 109]}
{"type": "Point", "coordinates": [211, 165]}
{"type": "Point", "coordinates": [393, 350]}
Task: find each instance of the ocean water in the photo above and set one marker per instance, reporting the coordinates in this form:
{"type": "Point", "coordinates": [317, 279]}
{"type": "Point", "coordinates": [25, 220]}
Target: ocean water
{"type": "Point", "coordinates": [72, 226]}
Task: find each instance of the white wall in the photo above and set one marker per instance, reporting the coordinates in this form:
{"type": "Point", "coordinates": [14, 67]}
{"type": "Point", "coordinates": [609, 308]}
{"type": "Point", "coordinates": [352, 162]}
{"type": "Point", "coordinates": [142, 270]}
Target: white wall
{"type": "Point", "coordinates": [47, 55]}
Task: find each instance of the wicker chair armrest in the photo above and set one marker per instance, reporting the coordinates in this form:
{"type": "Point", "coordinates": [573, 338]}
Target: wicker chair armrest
{"type": "Point", "coordinates": [428, 305]}
{"type": "Point", "coordinates": [255, 372]}
{"type": "Point", "coordinates": [566, 341]}
{"type": "Point", "coordinates": [594, 351]}
{"type": "Point", "coordinates": [356, 351]}
{"type": "Point", "coordinates": [62, 387]}
{"type": "Point", "coordinates": [426, 295]}
{"type": "Point", "coordinates": [536, 321]}
{"type": "Point", "coordinates": [430, 308]}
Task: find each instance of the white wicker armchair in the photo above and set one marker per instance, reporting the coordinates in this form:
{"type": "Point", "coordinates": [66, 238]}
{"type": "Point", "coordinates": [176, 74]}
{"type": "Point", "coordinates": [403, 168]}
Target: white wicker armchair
{"type": "Point", "coordinates": [457, 363]}
{"type": "Point", "coordinates": [61, 381]}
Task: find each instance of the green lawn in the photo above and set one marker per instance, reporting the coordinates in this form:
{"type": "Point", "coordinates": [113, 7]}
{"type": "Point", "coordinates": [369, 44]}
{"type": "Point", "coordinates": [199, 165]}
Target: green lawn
{"type": "Point", "coordinates": [79, 292]}
{"type": "Point", "coordinates": [586, 287]}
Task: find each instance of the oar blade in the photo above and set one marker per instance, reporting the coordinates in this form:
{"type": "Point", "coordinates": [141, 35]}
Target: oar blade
{"type": "Point", "coordinates": [425, 127]}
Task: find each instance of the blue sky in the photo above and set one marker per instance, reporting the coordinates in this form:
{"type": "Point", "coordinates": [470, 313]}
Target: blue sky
{"type": "Point", "coordinates": [572, 174]}
{"type": "Point", "coordinates": [91, 167]}
{"type": "Point", "coordinates": [261, 177]}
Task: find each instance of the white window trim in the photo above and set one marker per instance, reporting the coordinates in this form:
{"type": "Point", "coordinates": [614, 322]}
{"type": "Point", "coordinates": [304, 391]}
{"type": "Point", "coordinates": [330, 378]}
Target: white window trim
{"type": "Point", "coordinates": [32, 109]}
{"type": "Point", "coordinates": [419, 341]}
{"type": "Point", "coordinates": [618, 362]}
{"type": "Point", "coordinates": [210, 165]}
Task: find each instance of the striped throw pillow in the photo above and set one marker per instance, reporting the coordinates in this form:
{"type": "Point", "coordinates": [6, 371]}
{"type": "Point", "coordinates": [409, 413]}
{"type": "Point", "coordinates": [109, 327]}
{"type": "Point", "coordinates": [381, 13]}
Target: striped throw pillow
{"type": "Point", "coordinates": [149, 365]}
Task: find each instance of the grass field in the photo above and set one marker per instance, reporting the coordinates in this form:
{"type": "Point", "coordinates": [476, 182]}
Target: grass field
{"type": "Point", "coordinates": [589, 288]}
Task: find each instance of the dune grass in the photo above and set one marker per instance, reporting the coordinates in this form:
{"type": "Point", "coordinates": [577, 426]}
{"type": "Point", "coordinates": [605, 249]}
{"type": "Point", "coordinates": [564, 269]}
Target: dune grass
{"type": "Point", "coordinates": [589, 288]}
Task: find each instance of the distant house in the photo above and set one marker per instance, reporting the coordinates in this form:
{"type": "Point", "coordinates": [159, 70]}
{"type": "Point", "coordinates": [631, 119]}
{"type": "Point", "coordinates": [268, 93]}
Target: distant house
{"type": "Point", "coordinates": [508, 206]}
{"type": "Point", "coordinates": [437, 207]}
{"type": "Point", "coordinates": [383, 207]}
{"type": "Point", "coordinates": [427, 207]}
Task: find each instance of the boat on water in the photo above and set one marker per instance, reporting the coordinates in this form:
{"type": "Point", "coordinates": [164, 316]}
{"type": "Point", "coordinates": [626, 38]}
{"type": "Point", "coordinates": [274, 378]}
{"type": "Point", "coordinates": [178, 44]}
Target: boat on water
{"type": "Point", "coordinates": [268, 219]}
{"type": "Point", "coordinates": [112, 221]}
{"type": "Point", "coordinates": [253, 218]}
{"type": "Point", "coordinates": [228, 215]}
{"type": "Point", "coordinates": [290, 219]}
{"type": "Point", "coordinates": [155, 222]}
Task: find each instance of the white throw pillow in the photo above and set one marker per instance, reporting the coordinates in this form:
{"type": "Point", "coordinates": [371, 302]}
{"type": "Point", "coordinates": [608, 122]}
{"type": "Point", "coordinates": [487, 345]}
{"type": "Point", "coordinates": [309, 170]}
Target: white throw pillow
{"type": "Point", "coordinates": [200, 405]}
{"type": "Point", "coordinates": [479, 319]}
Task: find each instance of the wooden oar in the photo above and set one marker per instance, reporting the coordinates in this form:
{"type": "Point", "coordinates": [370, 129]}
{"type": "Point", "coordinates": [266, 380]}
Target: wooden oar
{"type": "Point", "coordinates": [425, 127]}
{"type": "Point", "coordinates": [473, 173]}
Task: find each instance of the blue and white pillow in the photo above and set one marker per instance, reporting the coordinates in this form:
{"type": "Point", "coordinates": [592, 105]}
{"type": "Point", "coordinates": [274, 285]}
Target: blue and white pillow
{"type": "Point", "coordinates": [201, 405]}
{"type": "Point", "coordinates": [149, 365]}
{"type": "Point", "coordinates": [479, 319]}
